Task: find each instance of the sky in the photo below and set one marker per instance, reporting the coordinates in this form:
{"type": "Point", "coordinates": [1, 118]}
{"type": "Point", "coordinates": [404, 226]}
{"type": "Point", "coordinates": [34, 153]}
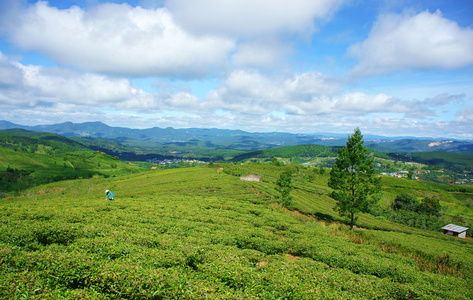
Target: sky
{"type": "Point", "coordinates": [388, 67]}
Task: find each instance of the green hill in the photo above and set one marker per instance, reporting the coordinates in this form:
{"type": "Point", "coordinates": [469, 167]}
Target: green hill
{"type": "Point", "coordinates": [31, 158]}
{"type": "Point", "coordinates": [200, 233]}
{"type": "Point", "coordinates": [26, 140]}
{"type": "Point", "coordinates": [38, 142]}
{"type": "Point", "coordinates": [419, 145]}
{"type": "Point", "coordinates": [299, 151]}
{"type": "Point", "coordinates": [461, 161]}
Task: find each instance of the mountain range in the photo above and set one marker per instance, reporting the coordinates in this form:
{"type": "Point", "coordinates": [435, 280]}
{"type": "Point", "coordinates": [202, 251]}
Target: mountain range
{"type": "Point", "coordinates": [238, 139]}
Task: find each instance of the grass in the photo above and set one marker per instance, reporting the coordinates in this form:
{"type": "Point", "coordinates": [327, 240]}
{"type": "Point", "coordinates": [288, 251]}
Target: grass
{"type": "Point", "coordinates": [197, 234]}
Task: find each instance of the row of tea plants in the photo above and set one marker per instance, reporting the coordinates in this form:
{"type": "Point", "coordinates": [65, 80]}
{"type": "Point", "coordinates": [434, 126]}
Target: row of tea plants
{"type": "Point", "coordinates": [195, 233]}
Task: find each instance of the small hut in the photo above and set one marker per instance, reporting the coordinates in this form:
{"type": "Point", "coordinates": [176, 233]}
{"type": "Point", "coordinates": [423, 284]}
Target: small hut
{"type": "Point", "coordinates": [251, 178]}
{"type": "Point", "coordinates": [455, 230]}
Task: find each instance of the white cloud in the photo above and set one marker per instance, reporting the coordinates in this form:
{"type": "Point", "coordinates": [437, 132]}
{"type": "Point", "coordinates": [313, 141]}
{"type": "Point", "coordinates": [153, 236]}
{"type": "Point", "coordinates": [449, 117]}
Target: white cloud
{"type": "Point", "coordinates": [183, 101]}
{"type": "Point", "coordinates": [312, 83]}
{"type": "Point", "coordinates": [444, 99]}
{"type": "Point", "coordinates": [309, 93]}
{"type": "Point", "coordinates": [251, 85]}
{"type": "Point", "coordinates": [29, 85]}
{"type": "Point", "coordinates": [119, 39]}
{"type": "Point", "coordinates": [184, 38]}
{"type": "Point", "coordinates": [70, 87]}
{"type": "Point", "coordinates": [249, 18]}
{"type": "Point", "coordinates": [263, 53]}
{"type": "Point", "coordinates": [10, 74]}
{"type": "Point", "coordinates": [361, 102]}
{"type": "Point", "coordinates": [260, 27]}
{"type": "Point", "coordinates": [465, 116]}
{"type": "Point", "coordinates": [404, 127]}
{"type": "Point", "coordinates": [422, 41]}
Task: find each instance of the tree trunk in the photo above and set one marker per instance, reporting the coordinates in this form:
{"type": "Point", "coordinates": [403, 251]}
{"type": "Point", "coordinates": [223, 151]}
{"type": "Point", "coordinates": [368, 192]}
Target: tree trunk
{"type": "Point", "coordinates": [352, 220]}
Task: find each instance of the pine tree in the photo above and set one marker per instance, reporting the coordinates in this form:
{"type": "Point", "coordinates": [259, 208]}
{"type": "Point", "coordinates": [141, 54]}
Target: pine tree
{"type": "Point", "coordinates": [353, 179]}
{"type": "Point", "coordinates": [284, 186]}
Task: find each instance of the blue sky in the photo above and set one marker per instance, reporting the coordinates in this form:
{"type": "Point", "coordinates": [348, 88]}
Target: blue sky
{"type": "Point", "coordinates": [304, 66]}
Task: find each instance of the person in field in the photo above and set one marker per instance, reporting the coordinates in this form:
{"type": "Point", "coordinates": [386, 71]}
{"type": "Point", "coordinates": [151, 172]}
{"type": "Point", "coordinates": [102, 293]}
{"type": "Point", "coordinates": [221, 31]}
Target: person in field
{"type": "Point", "coordinates": [108, 195]}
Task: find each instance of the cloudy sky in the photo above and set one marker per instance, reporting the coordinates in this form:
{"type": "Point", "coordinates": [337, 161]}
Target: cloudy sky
{"type": "Point", "coordinates": [389, 67]}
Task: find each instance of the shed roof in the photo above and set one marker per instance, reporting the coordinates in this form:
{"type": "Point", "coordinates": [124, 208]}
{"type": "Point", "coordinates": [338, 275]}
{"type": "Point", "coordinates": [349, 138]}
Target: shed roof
{"type": "Point", "coordinates": [454, 228]}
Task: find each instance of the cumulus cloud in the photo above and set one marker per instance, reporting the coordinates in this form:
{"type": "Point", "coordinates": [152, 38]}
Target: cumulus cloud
{"type": "Point", "coordinates": [182, 38]}
{"type": "Point", "coordinates": [183, 101]}
{"type": "Point", "coordinates": [465, 116]}
{"type": "Point", "coordinates": [309, 93]}
{"type": "Point", "coordinates": [92, 89]}
{"type": "Point", "coordinates": [444, 99]}
{"type": "Point", "coordinates": [249, 18]}
{"type": "Point", "coordinates": [10, 74]}
{"type": "Point", "coordinates": [259, 27]}
{"type": "Point", "coordinates": [30, 85]}
{"type": "Point", "coordinates": [261, 53]}
{"type": "Point", "coordinates": [403, 127]}
{"type": "Point", "coordinates": [361, 102]}
{"type": "Point", "coordinates": [422, 41]}
{"type": "Point", "coordinates": [52, 115]}
{"type": "Point", "coordinates": [118, 38]}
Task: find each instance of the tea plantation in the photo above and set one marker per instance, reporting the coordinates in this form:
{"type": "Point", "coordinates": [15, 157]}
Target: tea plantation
{"type": "Point", "coordinates": [202, 233]}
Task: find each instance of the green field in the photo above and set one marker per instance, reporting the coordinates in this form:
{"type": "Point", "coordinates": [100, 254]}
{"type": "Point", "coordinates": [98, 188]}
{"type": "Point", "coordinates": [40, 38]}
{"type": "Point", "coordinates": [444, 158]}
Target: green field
{"type": "Point", "coordinates": [201, 233]}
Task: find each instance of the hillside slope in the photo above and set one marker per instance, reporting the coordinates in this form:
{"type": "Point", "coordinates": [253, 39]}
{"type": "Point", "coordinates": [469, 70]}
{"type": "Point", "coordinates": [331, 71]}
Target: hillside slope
{"type": "Point", "coordinates": [306, 150]}
{"type": "Point", "coordinates": [420, 145]}
{"type": "Point", "coordinates": [197, 234]}
{"type": "Point", "coordinates": [31, 158]}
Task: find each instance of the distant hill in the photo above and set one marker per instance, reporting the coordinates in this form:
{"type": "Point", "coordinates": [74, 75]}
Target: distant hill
{"type": "Point", "coordinates": [459, 161]}
{"type": "Point", "coordinates": [237, 139]}
{"type": "Point", "coordinates": [415, 145]}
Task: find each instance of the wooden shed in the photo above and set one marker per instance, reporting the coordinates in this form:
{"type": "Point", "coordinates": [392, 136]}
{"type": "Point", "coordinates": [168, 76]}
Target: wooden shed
{"type": "Point", "coordinates": [455, 230]}
{"type": "Point", "coordinates": [251, 178]}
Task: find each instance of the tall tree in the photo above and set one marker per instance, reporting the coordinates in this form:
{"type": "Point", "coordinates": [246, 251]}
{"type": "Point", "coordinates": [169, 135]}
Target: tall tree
{"type": "Point", "coordinates": [353, 179]}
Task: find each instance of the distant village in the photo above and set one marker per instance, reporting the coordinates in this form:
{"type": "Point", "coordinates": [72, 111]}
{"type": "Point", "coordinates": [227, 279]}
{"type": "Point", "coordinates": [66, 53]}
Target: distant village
{"type": "Point", "coordinates": [176, 162]}
{"type": "Point", "coordinates": [439, 175]}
